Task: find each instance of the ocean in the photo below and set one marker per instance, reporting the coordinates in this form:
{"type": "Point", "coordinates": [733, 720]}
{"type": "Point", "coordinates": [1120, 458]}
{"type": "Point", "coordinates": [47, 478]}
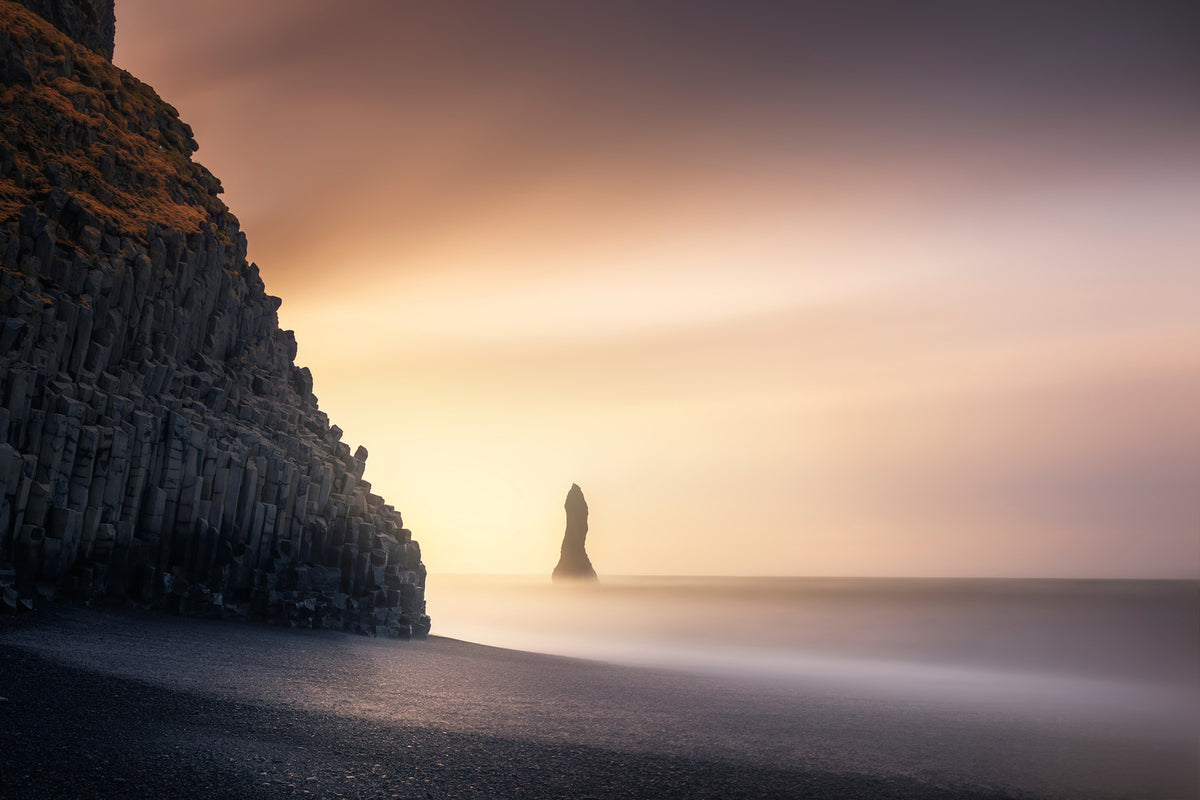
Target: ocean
{"type": "Point", "coordinates": [1099, 679]}
{"type": "Point", "coordinates": [1139, 633]}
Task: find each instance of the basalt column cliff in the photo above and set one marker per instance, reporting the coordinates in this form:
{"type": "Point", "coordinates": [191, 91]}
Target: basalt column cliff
{"type": "Point", "coordinates": [158, 444]}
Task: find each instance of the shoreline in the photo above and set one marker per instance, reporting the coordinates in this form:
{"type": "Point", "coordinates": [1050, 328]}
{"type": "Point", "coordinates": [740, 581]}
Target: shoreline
{"type": "Point", "coordinates": [110, 703]}
{"type": "Point", "coordinates": [69, 733]}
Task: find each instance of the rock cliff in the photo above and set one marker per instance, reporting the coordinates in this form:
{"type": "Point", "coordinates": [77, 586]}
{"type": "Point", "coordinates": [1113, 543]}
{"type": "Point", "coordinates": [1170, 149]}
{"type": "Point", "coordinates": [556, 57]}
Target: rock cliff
{"type": "Point", "coordinates": [573, 563]}
{"type": "Point", "coordinates": [91, 23]}
{"type": "Point", "coordinates": [158, 444]}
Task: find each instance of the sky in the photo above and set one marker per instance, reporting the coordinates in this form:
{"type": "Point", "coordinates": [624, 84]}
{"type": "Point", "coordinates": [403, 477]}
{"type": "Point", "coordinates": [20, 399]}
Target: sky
{"type": "Point", "coordinates": [787, 288]}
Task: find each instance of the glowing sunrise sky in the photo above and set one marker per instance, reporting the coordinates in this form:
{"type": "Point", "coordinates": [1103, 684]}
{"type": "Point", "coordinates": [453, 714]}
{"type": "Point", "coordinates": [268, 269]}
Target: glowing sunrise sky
{"type": "Point", "coordinates": [891, 289]}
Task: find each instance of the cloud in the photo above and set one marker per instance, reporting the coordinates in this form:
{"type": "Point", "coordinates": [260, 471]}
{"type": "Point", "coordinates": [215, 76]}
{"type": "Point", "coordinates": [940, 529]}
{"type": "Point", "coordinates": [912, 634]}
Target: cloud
{"type": "Point", "coordinates": [879, 287]}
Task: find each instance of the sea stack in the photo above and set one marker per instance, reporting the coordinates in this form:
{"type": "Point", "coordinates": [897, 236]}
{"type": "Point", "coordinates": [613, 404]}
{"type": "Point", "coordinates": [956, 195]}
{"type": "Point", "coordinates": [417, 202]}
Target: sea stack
{"type": "Point", "coordinates": [573, 564]}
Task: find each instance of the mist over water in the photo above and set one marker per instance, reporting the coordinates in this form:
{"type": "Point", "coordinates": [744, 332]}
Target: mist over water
{"type": "Point", "coordinates": [1114, 654]}
{"type": "Point", "coordinates": [1142, 632]}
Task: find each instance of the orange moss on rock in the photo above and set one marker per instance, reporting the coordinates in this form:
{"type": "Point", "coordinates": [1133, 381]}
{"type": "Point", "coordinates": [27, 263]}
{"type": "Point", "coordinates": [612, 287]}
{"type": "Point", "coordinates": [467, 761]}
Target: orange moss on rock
{"type": "Point", "coordinates": [72, 119]}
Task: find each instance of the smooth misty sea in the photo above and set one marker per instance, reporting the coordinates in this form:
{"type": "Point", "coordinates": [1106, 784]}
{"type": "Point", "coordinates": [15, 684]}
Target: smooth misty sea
{"type": "Point", "coordinates": [1133, 633]}
{"type": "Point", "coordinates": [1101, 676]}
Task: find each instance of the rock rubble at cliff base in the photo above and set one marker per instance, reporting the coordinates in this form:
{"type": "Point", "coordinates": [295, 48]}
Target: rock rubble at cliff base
{"type": "Point", "coordinates": [158, 444]}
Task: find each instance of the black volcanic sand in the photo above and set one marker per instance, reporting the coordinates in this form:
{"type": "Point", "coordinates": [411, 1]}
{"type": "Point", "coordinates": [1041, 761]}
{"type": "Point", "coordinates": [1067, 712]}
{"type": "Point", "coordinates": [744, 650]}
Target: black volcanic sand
{"type": "Point", "coordinates": [124, 704]}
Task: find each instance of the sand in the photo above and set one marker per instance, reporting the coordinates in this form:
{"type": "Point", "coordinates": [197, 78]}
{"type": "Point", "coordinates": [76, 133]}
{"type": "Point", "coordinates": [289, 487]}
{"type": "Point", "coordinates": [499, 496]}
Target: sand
{"type": "Point", "coordinates": [125, 704]}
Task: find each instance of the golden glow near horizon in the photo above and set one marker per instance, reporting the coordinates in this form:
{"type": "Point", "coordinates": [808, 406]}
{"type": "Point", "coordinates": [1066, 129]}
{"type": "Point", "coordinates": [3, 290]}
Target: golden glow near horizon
{"type": "Point", "coordinates": [795, 331]}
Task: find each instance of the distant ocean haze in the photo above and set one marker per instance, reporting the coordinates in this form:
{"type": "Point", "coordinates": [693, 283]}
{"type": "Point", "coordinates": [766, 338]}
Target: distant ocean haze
{"type": "Point", "coordinates": [1118, 655]}
{"type": "Point", "coordinates": [1094, 680]}
{"type": "Point", "coordinates": [1143, 632]}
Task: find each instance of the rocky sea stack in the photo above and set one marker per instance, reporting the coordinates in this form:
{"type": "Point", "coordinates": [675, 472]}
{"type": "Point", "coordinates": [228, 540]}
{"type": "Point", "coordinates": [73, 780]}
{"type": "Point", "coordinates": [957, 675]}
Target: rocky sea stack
{"type": "Point", "coordinates": [158, 444]}
{"type": "Point", "coordinates": [573, 563]}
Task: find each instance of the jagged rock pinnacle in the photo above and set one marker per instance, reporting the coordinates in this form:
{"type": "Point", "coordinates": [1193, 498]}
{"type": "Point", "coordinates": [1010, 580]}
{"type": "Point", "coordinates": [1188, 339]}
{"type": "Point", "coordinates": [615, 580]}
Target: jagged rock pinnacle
{"type": "Point", "coordinates": [573, 564]}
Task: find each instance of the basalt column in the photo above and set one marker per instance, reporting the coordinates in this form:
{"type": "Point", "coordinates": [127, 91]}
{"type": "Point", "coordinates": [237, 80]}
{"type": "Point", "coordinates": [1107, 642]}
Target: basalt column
{"type": "Point", "coordinates": [158, 443]}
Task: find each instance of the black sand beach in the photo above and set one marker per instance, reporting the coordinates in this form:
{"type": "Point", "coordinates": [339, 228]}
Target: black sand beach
{"type": "Point", "coordinates": [123, 704]}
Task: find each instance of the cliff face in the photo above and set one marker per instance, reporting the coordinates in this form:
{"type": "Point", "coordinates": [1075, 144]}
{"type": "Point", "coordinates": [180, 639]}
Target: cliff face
{"type": "Point", "coordinates": [91, 23]}
{"type": "Point", "coordinates": [158, 444]}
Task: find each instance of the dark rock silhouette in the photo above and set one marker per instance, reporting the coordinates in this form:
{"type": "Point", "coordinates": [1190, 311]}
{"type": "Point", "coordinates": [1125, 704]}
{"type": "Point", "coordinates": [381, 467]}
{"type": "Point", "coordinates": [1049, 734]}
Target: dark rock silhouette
{"type": "Point", "coordinates": [158, 444]}
{"type": "Point", "coordinates": [573, 563]}
{"type": "Point", "coordinates": [91, 23]}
